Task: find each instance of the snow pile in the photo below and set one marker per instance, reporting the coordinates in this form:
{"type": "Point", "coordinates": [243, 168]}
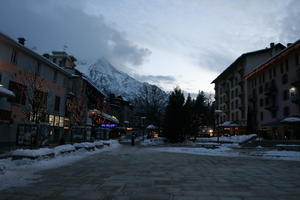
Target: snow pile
{"type": "Point", "coordinates": [99, 144]}
{"type": "Point", "coordinates": [85, 145]}
{"type": "Point", "coordinates": [14, 173]}
{"type": "Point", "coordinates": [153, 142]}
{"type": "Point", "coordinates": [32, 153]}
{"type": "Point", "coordinates": [64, 149]}
{"type": "Point", "coordinates": [231, 139]}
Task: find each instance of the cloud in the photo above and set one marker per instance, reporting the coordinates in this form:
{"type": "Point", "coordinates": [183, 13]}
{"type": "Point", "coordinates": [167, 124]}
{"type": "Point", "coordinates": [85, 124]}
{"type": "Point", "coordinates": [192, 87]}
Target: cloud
{"type": "Point", "coordinates": [290, 24]}
{"type": "Point", "coordinates": [49, 25]}
{"type": "Point", "coordinates": [155, 79]}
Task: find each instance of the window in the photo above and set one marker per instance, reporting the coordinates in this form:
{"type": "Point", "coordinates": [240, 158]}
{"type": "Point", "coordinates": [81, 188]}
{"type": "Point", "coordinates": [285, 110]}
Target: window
{"type": "Point", "coordinates": [270, 74]}
{"type": "Point", "coordinates": [57, 103]}
{"type": "Point", "coordinates": [286, 111]}
{"type": "Point", "coordinates": [20, 92]}
{"type": "Point", "coordinates": [236, 103]}
{"type": "Point", "coordinates": [236, 92]}
{"type": "Point", "coordinates": [266, 101]}
{"type": "Point", "coordinates": [263, 77]}
{"type": "Point", "coordinates": [287, 65]}
{"type": "Point", "coordinates": [274, 71]}
{"type": "Point", "coordinates": [261, 102]}
{"type": "Point", "coordinates": [55, 76]}
{"type": "Point", "coordinates": [274, 114]}
{"type": "Point", "coordinates": [281, 68]}
{"type": "Point", "coordinates": [296, 59]}
{"type": "Point", "coordinates": [40, 99]}
{"type": "Point", "coordinates": [285, 95]}
{"type": "Point", "coordinates": [260, 89]}
{"type": "Point", "coordinates": [261, 116]}
{"type": "Point", "coordinates": [284, 79]}
{"type": "Point", "coordinates": [13, 58]}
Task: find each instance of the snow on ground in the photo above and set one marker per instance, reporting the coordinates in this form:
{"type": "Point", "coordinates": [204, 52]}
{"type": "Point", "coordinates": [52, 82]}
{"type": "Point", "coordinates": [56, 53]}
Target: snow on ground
{"type": "Point", "coordinates": [232, 139]}
{"type": "Point", "coordinates": [288, 145]}
{"type": "Point", "coordinates": [15, 173]}
{"type": "Point", "coordinates": [153, 141]}
{"type": "Point", "coordinates": [220, 151]}
{"type": "Point", "coordinates": [228, 151]}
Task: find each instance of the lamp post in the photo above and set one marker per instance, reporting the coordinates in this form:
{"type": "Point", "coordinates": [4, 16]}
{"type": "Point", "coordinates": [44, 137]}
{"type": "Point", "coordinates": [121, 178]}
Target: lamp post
{"type": "Point", "coordinates": [143, 125]}
{"type": "Point", "coordinates": [217, 112]}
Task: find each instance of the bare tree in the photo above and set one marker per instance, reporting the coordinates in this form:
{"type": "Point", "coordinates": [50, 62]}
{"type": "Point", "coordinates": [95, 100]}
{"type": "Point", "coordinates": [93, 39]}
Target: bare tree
{"type": "Point", "coordinates": [36, 96]}
{"type": "Point", "coordinates": [151, 101]}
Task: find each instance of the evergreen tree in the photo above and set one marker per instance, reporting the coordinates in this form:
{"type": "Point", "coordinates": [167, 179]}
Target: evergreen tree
{"type": "Point", "coordinates": [174, 117]}
{"type": "Point", "coordinates": [188, 116]}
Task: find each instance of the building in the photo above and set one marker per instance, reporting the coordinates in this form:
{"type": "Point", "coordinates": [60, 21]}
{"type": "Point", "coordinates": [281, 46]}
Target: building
{"type": "Point", "coordinates": [35, 115]}
{"type": "Point", "coordinates": [87, 106]}
{"type": "Point", "coordinates": [231, 89]}
{"type": "Point", "coordinates": [274, 94]}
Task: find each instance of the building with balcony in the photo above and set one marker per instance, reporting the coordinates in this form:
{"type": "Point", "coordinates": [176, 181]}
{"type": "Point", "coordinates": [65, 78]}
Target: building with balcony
{"type": "Point", "coordinates": [274, 91]}
{"type": "Point", "coordinates": [231, 88]}
{"type": "Point", "coordinates": [35, 113]}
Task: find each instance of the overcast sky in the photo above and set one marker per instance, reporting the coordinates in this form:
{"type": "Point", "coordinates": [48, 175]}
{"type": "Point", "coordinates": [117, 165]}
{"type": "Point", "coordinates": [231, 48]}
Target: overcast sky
{"type": "Point", "coordinates": [170, 43]}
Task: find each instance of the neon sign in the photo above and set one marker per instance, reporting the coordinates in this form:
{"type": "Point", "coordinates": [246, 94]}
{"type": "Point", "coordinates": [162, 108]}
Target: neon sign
{"type": "Point", "coordinates": [108, 125]}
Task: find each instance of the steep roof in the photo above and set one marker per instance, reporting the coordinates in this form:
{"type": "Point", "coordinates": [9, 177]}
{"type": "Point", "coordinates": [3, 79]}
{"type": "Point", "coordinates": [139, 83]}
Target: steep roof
{"type": "Point", "coordinates": [32, 53]}
{"type": "Point", "coordinates": [240, 58]}
{"type": "Point", "coordinates": [274, 58]}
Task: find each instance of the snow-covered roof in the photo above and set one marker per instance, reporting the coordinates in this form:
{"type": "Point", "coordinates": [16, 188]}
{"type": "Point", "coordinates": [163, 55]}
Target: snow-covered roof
{"type": "Point", "coordinates": [291, 120]}
{"type": "Point", "coordinates": [151, 126]}
{"type": "Point", "coordinates": [232, 124]}
{"type": "Point", "coordinates": [92, 84]}
{"type": "Point", "coordinates": [6, 93]}
{"type": "Point", "coordinates": [107, 116]}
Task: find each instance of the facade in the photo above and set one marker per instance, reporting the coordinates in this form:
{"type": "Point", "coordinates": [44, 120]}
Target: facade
{"type": "Point", "coordinates": [231, 89]}
{"type": "Point", "coordinates": [120, 108]}
{"type": "Point", "coordinates": [40, 88]}
{"type": "Point", "coordinates": [91, 118]}
{"type": "Point", "coordinates": [274, 94]}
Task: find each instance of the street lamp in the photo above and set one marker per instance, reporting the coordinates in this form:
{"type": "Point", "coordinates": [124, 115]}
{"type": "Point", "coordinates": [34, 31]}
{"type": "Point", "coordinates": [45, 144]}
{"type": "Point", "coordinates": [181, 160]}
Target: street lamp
{"type": "Point", "coordinates": [143, 119]}
{"type": "Point", "coordinates": [217, 112]}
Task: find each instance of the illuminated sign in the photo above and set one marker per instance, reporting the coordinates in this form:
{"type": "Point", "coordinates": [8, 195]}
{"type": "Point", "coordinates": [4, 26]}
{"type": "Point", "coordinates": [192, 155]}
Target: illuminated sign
{"type": "Point", "coordinates": [108, 125]}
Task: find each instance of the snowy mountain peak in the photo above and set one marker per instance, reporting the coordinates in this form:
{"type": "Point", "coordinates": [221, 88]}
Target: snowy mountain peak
{"type": "Point", "coordinates": [110, 80]}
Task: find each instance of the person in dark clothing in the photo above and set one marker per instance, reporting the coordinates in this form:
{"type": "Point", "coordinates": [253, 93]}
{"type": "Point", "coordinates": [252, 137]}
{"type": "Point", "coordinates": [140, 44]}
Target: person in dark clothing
{"type": "Point", "coordinates": [132, 139]}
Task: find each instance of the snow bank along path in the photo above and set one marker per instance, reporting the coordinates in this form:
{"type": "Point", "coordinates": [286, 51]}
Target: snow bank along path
{"type": "Point", "coordinates": [22, 172]}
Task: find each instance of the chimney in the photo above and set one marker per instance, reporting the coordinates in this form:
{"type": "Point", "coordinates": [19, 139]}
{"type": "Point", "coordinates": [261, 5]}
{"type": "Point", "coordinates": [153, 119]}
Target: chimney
{"type": "Point", "coordinates": [46, 55]}
{"type": "Point", "coordinates": [21, 40]}
{"type": "Point", "coordinates": [289, 44]}
{"type": "Point", "coordinates": [272, 45]}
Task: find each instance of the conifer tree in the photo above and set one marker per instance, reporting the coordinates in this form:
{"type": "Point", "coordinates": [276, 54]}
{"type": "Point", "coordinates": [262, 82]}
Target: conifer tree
{"type": "Point", "coordinates": [174, 117]}
{"type": "Point", "coordinates": [188, 116]}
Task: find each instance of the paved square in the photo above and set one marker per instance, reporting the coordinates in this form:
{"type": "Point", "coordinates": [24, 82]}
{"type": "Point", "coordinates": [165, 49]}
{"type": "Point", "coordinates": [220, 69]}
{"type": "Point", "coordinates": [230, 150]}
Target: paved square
{"type": "Point", "coordinates": [133, 173]}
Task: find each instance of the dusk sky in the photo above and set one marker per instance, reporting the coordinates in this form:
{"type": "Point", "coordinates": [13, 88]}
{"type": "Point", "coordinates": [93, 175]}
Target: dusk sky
{"type": "Point", "coordinates": [170, 43]}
